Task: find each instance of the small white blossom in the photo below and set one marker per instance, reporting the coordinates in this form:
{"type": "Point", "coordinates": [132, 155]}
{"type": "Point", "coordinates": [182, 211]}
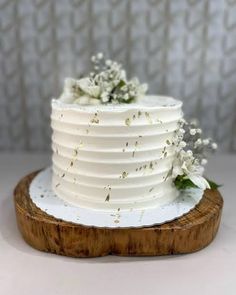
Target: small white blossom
{"type": "Point", "coordinates": [204, 161]}
{"type": "Point", "coordinates": [214, 146]}
{"type": "Point", "coordinates": [206, 141]}
{"type": "Point", "coordinates": [100, 55]}
{"type": "Point", "coordinates": [181, 131]}
{"type": "Point", "coordinates": [126, 96]}
{"type": "Point", "coordinates": [105, 97]}
{"type": "Point", "coordinates": [189, 152]}
{"type": "Point", "coordinates": [198, 142]}
{"type": "Point", "coordinates": [182, 144]}
{"type": "Point", "coordinates": [93, 58]}
{"type": "Point", "coordinates": [108, 62]}
{"type": "Point", "coordinates": [199, 130]}
{"type": "Point", "coordinates": [193, 131]}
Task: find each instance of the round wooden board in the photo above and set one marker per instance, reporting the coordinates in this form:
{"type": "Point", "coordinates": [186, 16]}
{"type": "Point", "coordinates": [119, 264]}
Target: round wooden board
{"type": "Point", "coordinates": [187, 234]}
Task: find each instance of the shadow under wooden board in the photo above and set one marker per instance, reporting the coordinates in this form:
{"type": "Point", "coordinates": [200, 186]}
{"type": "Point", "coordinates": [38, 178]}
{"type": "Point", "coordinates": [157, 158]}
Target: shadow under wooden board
{"type": "Point", "coordinates": [187, 234]}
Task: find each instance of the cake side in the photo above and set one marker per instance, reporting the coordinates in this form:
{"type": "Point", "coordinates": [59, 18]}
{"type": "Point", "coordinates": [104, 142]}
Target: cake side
{"type": "Point", "coordinates": [115, 156]}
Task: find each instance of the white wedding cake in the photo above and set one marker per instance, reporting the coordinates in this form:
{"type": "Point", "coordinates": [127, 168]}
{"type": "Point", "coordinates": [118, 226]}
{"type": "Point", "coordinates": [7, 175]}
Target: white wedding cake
{"type": "Point", "coordinates": [116, 148]}
{"type": "Point", "coordinates": [115, 156]}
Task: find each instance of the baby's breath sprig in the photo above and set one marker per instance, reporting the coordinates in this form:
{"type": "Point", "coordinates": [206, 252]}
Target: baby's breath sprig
{"type": "Point", "coordinates": [191, 156]}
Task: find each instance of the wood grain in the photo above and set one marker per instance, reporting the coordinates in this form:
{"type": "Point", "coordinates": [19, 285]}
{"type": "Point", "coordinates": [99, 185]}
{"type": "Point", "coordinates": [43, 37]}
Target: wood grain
{"type": "Point", "coordinates": [187, 234]}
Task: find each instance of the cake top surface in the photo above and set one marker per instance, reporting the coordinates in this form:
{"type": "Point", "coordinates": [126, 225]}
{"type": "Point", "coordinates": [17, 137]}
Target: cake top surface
{"type": "Point", "coordinates": [147, 102]}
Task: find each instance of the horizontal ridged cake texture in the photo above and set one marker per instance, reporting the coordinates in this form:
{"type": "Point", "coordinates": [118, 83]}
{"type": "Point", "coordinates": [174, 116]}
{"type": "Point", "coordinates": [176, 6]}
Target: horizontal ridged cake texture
{"type": "Point", "coordinates": [115, 156]}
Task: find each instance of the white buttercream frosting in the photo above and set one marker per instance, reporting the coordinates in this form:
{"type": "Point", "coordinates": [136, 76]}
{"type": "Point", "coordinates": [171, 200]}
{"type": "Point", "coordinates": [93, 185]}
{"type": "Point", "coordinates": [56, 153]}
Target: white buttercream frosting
{"type": "Point", "coordinates": [115, 156]}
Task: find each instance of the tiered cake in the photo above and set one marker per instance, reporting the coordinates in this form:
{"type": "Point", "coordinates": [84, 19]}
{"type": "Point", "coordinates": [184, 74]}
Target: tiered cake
{"type": "Point", "coordinates": [115, 156]}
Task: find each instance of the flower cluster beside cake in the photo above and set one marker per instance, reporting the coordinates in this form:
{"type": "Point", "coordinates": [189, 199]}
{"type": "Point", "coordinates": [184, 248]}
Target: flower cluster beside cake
{"type": "Point", "coordinates": [114, 147]}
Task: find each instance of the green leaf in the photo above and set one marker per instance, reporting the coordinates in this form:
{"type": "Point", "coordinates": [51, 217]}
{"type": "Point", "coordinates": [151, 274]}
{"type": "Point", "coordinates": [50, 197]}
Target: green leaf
{"type": "Point", "coordinates": [181, 182]}
{"type": "Point", "coordinates": [120, 84]}
{"type": "Point", "coordinates": [213, 185]}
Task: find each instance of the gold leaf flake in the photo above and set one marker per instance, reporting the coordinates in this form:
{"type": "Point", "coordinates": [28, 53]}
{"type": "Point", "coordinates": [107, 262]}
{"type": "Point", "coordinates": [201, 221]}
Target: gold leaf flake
{"type": "Point", "coordinates": [124, 174]}
{"type": "Point", "coordinates": [95, 119]}
{"type": "Point", "coordinates": [148, 117]}
{"type": "Point", "coordinates": [127, 122]}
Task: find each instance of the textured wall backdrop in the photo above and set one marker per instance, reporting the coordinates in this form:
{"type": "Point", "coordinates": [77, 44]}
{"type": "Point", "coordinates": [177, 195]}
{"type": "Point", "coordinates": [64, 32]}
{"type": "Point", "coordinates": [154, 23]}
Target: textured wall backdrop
{"type": "Point", "coordinates": [183, 48]}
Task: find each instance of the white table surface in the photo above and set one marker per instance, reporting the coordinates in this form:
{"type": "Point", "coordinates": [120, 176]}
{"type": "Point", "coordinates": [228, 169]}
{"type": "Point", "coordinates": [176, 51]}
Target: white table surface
{"type": "Point", "coordinates": [24, 270]}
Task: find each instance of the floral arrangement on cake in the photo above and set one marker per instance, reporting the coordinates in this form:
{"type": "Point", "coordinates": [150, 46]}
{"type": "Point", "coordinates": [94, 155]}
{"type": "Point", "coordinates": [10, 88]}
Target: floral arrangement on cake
{"type": "Point", "coordinates": [107, 83]}
{"type": "Point", "coordinates": [190, 156]}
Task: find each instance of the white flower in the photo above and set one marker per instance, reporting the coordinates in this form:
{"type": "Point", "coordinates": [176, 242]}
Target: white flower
{"type": "Point", "coordinates": [93, 58]}
{"type": "Point", "coordinates": [214, 146]}
{"type": "Point", "coordinates": [204, 161]}
{"type": "Point", "coordinates": [206, 141]}
{"type": "Point", "coordinates": [181, 131]}
{"type": "Point", "coordinates": [193, 131]}
{"type": "Point", "coordinates": [108, 62]}
{"type": "Point", "coordinates": [105, 97]}
{"type": "Point", "coordinates": [199, 130]}
{"type": "Point", "coordinates": [88, 87]}
{"type": "Point", "coordinates": [100, 55]}
{"type": "Point", "coordinates": [182, 144]}
{"type": "Point", "coordinates": [185, 164]}
{"type": "Point", "coordinates": [126, 96]}
{"type": "Point", "coordinates": [198, 142]}
{"type": "Point", "coordinates": [189, 152]}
